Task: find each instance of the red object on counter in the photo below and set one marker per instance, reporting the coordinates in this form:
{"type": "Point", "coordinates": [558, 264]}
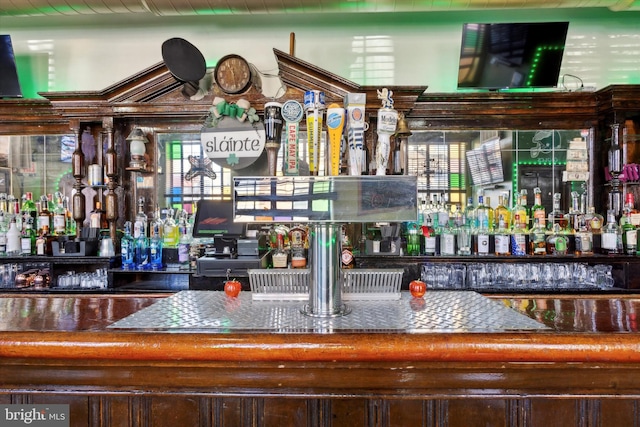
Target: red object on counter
{"type": "Point", "coordinates": [418, 288]}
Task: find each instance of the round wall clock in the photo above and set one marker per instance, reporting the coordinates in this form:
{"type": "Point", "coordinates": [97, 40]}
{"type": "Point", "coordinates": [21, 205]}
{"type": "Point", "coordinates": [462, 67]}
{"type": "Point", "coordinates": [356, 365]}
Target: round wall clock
{"type": "Point", "coordinates": [233, 74]}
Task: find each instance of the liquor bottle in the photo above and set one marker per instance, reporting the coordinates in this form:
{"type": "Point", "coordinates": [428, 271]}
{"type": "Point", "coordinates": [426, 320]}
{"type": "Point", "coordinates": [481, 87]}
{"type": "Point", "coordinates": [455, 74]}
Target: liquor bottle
{"type": "Point", "coordinates": [4, 207]}
{"type": "Point", "coordinates": [422, 211]}
{"type": "Point", "coordinates": [557, 216]}
{"type": "Point", "coordinates": [538, 210]}
{"type": "Point", "coordinates": [520, 209]}
{"type": "Point", "coordinates": [141, 252]}
{"type": "Point", "coordinates": [59, 216]}
{"type": "Point", "coordinates": [594, 220]}
{"type": "Point", "coordinates": [611, 235]}
{"type": "Point", "coordinates": [13, 210]}
{"type": "Point", "coordinates": [629, 208]}
{"type": "Point", "coordinates": [157, 221]}
{"type": "Point", "coordinates": [503, 210]}
{"type": "Point", "coordinates": [482, 214]}
{"type": "Point", "coordinates": [458, 216]}
{"type": "Point", "coordinates": [519, 239]}
{"type": "Point", "coordinates": [41, 244]}
{"type": "Point", "coordinates": [171, 233]}
{"type": "Point", "coordinates": [443, 210]}
{"type": "Point", "coordinates": [98, 217]}
{"type": "Point", "coordinates": [629, 235]}
{"type": "Point", "coordinates": [502, 238]}
{"type": "Point", "coordinates": [155, 248]}
{"type": "Point", "coordinates": [70, 223]}
{"type": "Point", "coordinates": [140, 223]}
{"type": "Point", "coordinates": [470, 214]}
{"type": "Point", "coordinates": [3, 234]}
{"type": "Point", "coordinates": [279, 257]}
{"type": "Point", "coordinates": [448, 240]}
{"type": "Point", "coordinates": [127, 248]}
{"type": "Point", "coordinates": [44, 217]}
{"type": "Point", "coordinates": [28, 238]}
{"type": "Point", "coordinates": [13, 238]}
{"type": "Point", "coordinates": [482, 238]}
{"type": "Point", "coordinates": [28, 208]}
{"type": "Point", "coordinates": [584, 239]}
{"type": "Point", "coordinates": [184, 244]}
{"type": "Point", "coordinates": [537, 239]}
{"type": "Point", "coordinates": [413, 239]}
{"type": "Point", "coordinates": [347, 259]}
{"type": "Point", "coordinates": [430, 237]}
{"type": "Point", "coordinates": [557, 241]}
{"type": "Point", "coordinates": [298, 242]}
{"type": "Point", "coordinates": [493, 220]}
{"type": "Point", "coordinates": [575, 215]}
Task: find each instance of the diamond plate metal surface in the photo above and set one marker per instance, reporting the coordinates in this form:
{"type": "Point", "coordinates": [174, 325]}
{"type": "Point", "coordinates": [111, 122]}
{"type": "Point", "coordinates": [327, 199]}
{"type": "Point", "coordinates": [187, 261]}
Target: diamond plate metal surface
{"type": "Point", "coordinates": [440, 311]}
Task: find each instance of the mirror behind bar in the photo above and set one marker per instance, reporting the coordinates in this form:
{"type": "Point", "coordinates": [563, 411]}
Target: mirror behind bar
{"type": "Point", "coordinates": [389, 198]}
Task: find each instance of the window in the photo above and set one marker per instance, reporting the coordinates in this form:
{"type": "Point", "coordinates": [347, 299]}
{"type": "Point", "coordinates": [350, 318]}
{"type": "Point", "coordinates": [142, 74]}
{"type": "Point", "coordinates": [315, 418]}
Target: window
{"type": "Point", "coordinates": [438, 159]}
{"type": "Point", "coordinates": [189, 175]}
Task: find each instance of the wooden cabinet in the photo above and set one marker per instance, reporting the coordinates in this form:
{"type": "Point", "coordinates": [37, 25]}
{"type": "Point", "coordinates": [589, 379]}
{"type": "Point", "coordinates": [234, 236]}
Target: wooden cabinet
{"type": "Point", "coordinates": [152, 101]}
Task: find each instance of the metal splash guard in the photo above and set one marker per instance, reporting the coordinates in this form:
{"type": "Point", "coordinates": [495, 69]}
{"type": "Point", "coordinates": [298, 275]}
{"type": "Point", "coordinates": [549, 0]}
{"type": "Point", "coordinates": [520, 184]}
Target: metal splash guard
{"type": "Point", "coordinates": [336, 199]}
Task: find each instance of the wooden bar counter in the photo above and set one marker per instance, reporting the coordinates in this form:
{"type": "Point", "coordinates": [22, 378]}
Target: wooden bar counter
{"type": "Point", "coordinates": [584, 370]}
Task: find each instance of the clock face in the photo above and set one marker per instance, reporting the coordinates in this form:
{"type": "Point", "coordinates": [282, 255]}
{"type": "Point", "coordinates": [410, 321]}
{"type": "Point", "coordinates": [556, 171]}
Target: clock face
{"type": "Point", "coordinates": [233, 74]}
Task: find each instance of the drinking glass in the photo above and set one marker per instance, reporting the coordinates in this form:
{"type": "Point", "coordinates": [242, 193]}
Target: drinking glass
{"type": "Point", "coordinates": [546, 276]}
{"type": "Point", "coordinates": [442, 273]}
{"type": "Point", "coordinates": [562, 276]}
{"type": "Point", "coordinates": [457, 276]}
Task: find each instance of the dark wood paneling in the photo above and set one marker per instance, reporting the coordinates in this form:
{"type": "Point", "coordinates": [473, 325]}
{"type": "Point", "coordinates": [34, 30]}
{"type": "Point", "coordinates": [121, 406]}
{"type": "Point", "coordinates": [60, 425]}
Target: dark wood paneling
{"type": "Point", "coordinates": [177, 409]}
{"type": "Point", "coordinates": [557, 412]}
{"type": "Point", "coordinates": [171, 411]}
{"type": "Point", "coordinates": [479, 412]}
{"type": "Point", "coordinates": [286, 412]}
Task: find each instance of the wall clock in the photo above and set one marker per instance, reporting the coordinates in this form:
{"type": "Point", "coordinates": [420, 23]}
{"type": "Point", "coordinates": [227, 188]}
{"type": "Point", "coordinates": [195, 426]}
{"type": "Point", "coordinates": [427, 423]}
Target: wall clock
{"type": "Point", "coordinates": [233, 74]}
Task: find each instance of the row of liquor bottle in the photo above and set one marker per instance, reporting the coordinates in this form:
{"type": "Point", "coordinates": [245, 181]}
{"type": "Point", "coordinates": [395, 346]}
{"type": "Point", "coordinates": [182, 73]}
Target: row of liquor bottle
{"type": "Point", "coordinates": [483, 230]}
{"type": "Point", "coordinates": [520, 216]}
{"type": "Point", "coordinates": [144, 240]}
{"type": "Point", "coordinates": [25, 223]}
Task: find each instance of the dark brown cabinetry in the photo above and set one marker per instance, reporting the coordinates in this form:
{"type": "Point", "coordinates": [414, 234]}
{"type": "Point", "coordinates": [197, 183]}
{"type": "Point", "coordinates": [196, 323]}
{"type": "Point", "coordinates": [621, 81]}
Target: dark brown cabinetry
{"type": "Point", "coordinates": [152, 100]}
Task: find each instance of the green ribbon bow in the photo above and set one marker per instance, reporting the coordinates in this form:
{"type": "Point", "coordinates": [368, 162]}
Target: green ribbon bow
{"type": "Point", "coordinates": [231, 110]}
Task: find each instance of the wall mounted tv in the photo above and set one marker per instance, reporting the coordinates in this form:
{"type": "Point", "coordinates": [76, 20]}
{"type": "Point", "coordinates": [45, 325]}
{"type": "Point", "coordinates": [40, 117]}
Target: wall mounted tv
{"type": "Point", "coordinates": [9, 83]}
{"type": "Point", "coordinates": [511, 55]}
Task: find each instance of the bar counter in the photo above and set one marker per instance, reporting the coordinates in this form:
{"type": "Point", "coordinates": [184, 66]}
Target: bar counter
{"type": "Point", "coordinates": [582, 369]}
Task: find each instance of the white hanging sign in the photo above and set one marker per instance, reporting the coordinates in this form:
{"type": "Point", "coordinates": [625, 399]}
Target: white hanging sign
{"type": "Point", "coordinates": [233, 142]}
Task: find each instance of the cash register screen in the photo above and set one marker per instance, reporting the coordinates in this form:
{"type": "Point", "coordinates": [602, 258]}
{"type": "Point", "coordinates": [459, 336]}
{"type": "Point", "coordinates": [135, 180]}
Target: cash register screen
{"type": "Point", "coordinates": [214, 218]}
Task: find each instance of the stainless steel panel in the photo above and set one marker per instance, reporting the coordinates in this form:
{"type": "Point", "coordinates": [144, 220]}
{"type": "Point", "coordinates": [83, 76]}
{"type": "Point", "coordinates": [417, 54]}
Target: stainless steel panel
{"type": "Point", "coordinates": [441, 311]}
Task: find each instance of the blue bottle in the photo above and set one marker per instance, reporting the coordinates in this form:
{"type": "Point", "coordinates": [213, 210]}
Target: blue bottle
{"type": "Point", "coordinates": [141, 254]}
{"type": "Point", "coordinates": [155, 249]}
{"type": "Point", "coordinates": [127, 248]}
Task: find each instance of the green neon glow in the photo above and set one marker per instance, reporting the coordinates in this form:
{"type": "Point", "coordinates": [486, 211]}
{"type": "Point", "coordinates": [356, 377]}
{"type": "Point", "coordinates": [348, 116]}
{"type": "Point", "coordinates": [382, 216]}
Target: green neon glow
{"type": "Point", "coordinates": [62, 175]}
{"type": "Point", "coordinates": [536, 59]}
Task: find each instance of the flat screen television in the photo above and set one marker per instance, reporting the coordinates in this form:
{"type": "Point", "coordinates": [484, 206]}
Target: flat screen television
{"type": "Point", "coordinates": [511, 55]}
{"type": "Point", "coordinates": [9, 83]}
